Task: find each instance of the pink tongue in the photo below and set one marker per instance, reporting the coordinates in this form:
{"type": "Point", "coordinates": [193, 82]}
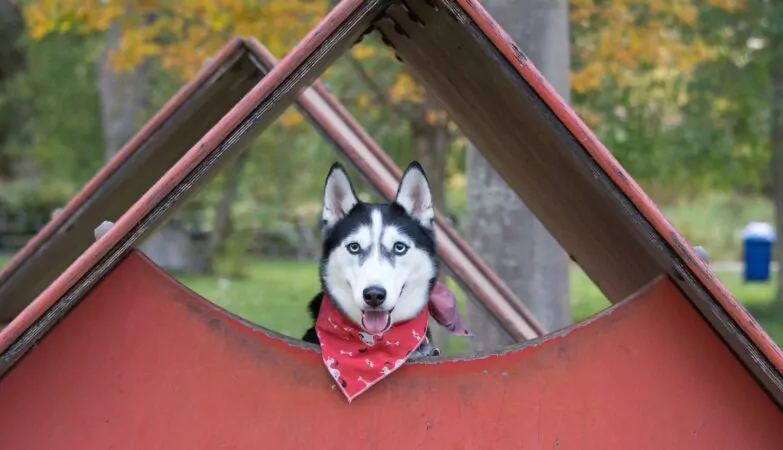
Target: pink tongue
{"type": "Point", "coordinates": [375, 321]}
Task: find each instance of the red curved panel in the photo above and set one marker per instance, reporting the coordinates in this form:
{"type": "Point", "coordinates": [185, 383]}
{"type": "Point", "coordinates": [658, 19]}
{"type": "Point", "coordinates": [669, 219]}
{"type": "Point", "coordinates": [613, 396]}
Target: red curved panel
{"type": "Point", "coordinates": [143, 362]}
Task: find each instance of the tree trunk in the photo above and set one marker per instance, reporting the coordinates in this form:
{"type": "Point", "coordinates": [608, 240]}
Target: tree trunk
{"type": "Point", "coordinates": [223, 225]}
{"type": "Point", "coordinates": [123, 96]}
{"type": "Point", "coordinates": [12, 60]}
{"type": "Point", "coordinates": [430, 145]}
{"type": "Point", "coordinates": [501, 228]}
{"type": "Point", "coordinates": [776, 143]}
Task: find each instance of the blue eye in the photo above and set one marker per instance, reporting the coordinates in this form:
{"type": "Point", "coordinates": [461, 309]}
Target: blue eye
{"type": "Point", "coordinates": [400, 248]}
{"type": "Point", "coordinates": [353, 248]}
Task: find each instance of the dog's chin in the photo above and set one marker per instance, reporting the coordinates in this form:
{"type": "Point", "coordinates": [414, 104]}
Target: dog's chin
{"type": "Point", "coordinates": [375, 321]}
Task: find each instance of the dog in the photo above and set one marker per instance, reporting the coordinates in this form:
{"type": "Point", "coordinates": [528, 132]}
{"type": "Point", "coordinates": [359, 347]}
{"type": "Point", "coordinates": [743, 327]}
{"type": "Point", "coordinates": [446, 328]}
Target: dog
{"type": "Point", "coordinates": [379, 262]}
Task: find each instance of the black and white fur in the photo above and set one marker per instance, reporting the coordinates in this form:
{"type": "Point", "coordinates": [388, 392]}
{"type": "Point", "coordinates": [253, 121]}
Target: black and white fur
{"type": "Point", "coordinates": [371, 246]}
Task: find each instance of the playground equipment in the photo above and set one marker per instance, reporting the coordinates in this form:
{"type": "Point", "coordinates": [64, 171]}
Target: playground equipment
{"type": "Point", "coordinates": [165, 139]}
{"type": "Point", "coordinates": [143, 362]}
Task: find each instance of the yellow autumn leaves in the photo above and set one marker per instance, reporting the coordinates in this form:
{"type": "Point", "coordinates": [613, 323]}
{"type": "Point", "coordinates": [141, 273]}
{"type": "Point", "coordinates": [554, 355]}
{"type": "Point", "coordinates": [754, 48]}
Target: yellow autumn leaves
{"type": "Point", "coordinates": [181, 33]}
{"type": "Point", "coordinates": [58, 16]}
{"type": "Point", "coordinates": [621, 38]}
{"type": "Point", "coordinates": [185, 33]}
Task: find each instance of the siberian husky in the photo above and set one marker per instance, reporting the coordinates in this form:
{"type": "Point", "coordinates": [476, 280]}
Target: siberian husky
{"type": "Point", "coordinates": [378, 262]}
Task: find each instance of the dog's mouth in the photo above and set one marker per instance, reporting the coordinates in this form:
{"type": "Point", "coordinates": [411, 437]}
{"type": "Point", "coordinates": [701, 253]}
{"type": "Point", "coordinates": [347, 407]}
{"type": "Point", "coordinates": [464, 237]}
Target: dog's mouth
{"type": "Point", "coordinates": [375, 321]}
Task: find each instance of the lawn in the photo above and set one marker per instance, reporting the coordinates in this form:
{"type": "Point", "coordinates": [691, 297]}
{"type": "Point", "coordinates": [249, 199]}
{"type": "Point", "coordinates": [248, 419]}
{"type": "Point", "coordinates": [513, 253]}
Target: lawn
{"type": "Point", "coordinates": [275, 294]}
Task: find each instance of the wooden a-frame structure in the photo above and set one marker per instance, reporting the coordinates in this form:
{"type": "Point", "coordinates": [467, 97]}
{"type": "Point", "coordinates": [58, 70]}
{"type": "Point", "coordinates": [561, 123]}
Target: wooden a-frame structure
{"type": "Point", "coordinates": [142, 361]}
{"type": "Point", "coordinates": [174, 130]}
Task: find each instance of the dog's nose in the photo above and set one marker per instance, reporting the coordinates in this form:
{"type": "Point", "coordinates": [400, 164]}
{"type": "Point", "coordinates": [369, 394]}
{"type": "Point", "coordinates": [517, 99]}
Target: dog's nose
{"type": "Point", "coordinates": [374, 296]}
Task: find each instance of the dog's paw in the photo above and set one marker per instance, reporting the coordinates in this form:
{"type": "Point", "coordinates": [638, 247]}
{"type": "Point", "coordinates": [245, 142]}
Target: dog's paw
{"type": "Point", "coordinates": [425, 350]}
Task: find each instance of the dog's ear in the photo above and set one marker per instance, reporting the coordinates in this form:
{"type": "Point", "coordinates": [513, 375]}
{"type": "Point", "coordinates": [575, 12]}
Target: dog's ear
{"type": "Point", "coordinates": [339, 197]}
{"type": "Point", "coordinates": [415, 196]}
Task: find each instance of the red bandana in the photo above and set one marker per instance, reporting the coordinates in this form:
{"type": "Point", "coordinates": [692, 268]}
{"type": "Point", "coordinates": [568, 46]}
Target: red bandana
{"type": "Point", "coordinates": [356, 359]}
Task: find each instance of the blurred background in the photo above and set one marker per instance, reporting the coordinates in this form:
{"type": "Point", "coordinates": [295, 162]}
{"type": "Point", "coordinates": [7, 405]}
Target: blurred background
{"type": "Point", "coordinates": [687, 94]}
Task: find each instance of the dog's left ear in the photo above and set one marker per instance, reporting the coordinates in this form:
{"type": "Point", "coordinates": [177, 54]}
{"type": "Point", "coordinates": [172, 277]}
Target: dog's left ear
{"type": "Point", "coordinates": [415, 196]}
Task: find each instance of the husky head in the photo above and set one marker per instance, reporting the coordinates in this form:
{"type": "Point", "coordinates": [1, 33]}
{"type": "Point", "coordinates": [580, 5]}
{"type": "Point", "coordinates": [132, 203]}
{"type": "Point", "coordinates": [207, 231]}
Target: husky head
{"type": "Point", "coordinates": [379, 262]}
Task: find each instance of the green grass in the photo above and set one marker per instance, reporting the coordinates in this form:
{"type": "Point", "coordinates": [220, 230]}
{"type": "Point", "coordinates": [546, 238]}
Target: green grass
{"type": "Point", "coordinates": [716, 221]}
{"type": "Point", "coordinates": [274, 295]}
{"type": "Point", "coordinates": [758, 299]}
{"type": "Point", "coordinates": [587, 300]}
{"type": "Point", "coordinates": [713, 221]}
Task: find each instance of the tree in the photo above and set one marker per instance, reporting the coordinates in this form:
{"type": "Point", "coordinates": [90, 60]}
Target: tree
{"type": "Point", "coordinates": [392, 87]}
{"type": "Point", "coordinates": [737, 95]}
{"type": "Point", "coordinates": [54, 140]}
{"type": "Point", "coordinates": [509, 237]}
{"type": "Point", "coordinates": [645, 78]}
{"type": "Point", "coordinates": [180, 36]}
{"type": "Point", "coordinates": [705, 80]}
{"type": "Point", "coordinates": [11, 62]}
{"type": "Point", "coordinates": [124, 95]}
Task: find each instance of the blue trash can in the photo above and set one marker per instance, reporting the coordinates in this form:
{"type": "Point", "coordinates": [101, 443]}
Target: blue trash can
{"type": "Point", "coordinates": [758, 239]}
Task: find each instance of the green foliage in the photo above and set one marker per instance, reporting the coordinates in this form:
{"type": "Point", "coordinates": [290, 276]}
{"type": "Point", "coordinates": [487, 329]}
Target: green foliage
{"type": "Point", "coordinates": [679, 96]}
{"type": "Point", "coordinates": [232, 261]}
{"type": "Point", "coordinates": [680, 100]}
{"type": "Point", "coordinates": [58, 97]}
{"type": "Point", "coordinates": [726, 119]}
{"type": "Point", "coordinates": [34, 197]}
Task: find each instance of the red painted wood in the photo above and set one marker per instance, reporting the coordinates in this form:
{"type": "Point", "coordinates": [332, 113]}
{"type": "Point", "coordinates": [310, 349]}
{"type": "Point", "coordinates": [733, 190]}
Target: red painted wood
{"type": "Point", "coordinates": [612, 167]}
{"type": "Point", "coordinates": [145, 363]}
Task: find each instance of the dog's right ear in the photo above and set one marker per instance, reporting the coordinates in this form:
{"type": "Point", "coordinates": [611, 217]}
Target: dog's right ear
{"type": "Point", "coordinates": [339, 197]}
{"type": "Point", "coordinates": [415, 196]}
